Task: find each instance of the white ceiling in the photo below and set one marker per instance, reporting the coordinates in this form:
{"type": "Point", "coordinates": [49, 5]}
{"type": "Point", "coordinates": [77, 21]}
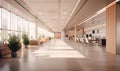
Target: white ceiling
{"type": "Point", "coordinates": [53, 13]}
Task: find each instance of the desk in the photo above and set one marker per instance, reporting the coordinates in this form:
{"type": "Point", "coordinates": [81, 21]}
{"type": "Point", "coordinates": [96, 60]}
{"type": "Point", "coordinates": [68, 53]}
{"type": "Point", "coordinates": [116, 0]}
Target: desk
{"type": "Point", "coordinates": [93, 40]}
{"type": "Point", "coordinates": [102, 42]}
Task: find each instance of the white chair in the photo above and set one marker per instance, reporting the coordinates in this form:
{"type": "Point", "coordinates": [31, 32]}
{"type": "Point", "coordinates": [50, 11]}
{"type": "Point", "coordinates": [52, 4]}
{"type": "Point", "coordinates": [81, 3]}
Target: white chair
{"type": "Point", "coordinates": [86, 40]}
{"type": "Point", "coordinates": [77, 39]}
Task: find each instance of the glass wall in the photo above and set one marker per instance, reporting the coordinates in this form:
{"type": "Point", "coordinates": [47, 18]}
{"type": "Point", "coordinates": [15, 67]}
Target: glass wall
{"type": "Point", "coordinates": [13, 21]}
{"type": "Point", "coordinates": [43, 32]}
{"type": "Point", "coordinates": [0, 23]}
{"type": "Point", "coordinates": [12, 24]}
{"type": "Point", "coordinates": [5, 24]}
{"type": "Point", "coordinates": [32, 30]}
{"type": "Point", "coordinates": [19, 25]}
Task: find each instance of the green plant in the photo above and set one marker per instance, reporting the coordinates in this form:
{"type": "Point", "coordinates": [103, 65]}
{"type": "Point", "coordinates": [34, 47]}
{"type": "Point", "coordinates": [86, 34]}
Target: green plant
{"type": "Point", "coordinates": [14, 43]}
{"type": "Point", "coordinates": [25, 39]}
{"type": "Point", "coordinates": [41, 36]}
{"type": "Point", "coordinates": [50, 38]}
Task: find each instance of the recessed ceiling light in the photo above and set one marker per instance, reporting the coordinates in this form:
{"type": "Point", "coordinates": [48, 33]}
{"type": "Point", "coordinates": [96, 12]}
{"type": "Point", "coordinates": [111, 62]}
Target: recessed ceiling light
{"type": "Point", "coordinates": [65, 13]}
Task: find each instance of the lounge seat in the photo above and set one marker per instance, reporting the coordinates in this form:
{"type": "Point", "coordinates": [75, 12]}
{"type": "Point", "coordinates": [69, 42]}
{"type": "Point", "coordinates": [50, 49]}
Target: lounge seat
{"type": "Point", "coordinates": [4, 50]}
{"type": "Point", "coordinates": [34, 42]}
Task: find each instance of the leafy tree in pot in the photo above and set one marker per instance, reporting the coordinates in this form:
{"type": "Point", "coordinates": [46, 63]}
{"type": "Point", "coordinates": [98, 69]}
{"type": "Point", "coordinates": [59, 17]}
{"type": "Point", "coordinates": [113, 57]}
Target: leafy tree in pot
{"type": "Point", "coordinates": [50, 38]}
{"type": "Point", "coordinates": [14, 45]}
{"type": "Point", "coordinates": [25, 40]}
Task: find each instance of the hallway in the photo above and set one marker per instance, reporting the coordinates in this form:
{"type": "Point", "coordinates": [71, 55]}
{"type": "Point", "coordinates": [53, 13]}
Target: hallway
{"type": "Point", "coordinates": [58, 49]}
{"type": "Point", "coordinates": [59, 55]}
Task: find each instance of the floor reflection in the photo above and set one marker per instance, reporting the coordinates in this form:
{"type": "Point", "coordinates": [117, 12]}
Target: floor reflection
{"type": "Point", "coordinates": [59, 49]}
{"type": "Point", "coordinates": [59, 55]}
{"type": "Point", "coordinates": [14, 65]}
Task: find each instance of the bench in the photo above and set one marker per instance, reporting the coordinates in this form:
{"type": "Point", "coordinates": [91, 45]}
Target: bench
{"type": "Point", "coordinates": [4, 50]}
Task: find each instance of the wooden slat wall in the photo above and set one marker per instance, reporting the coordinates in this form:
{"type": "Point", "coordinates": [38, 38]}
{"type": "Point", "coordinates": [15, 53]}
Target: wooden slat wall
{"type": "Point", "coordinates": [111, 28]}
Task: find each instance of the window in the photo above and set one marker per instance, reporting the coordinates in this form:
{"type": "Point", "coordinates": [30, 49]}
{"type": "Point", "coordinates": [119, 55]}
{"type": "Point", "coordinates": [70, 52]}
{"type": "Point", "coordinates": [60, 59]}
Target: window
{"type": "Point", "coordinates": [11, 24]}
{"type": "Point", "coordinates": [13, 21]}
{"type": "Point", "coordinates": [28, 27]}
{"type": "Point", "coordinates": [0, 23]}
{"type": "Point", "coordinates": [32, 30]}
{"type": "Point", "coordinates": [5, 24]}
{"type": "Point", "coordinates": [24, 26]}
{"type": "Point", "coordinates": [19, 25]}
{"type": "Point", "coordinates": [41, 32]}
{"type": "Point", "coordinates": [0, 17]}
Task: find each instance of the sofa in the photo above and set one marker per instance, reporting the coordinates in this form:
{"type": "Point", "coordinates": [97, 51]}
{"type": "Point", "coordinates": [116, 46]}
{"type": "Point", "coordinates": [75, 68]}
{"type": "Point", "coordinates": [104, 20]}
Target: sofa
{"type": "Point", "coordinates": [4, 50]}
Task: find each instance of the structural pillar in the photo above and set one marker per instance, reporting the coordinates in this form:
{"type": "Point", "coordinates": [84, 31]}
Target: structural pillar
{"type": "Point", "coordinates": [113, 28]}
{"type": "Point", "coordinates": [75, 32]}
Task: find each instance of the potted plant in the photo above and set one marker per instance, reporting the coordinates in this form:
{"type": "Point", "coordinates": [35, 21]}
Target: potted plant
{"type": "Point", "coordinates": [50, 38]}
{"type": "Point", "coordinates": [25, 40]}
{"type": "Point", "coordinates": [14, 45]}
{"type": "Point", "coordinates": [40, 39]}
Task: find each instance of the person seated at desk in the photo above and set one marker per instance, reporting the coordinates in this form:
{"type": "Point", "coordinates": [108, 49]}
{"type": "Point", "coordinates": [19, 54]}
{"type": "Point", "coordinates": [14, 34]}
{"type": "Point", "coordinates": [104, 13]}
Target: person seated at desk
{"type": "Point", "coordinates": [90, 37]}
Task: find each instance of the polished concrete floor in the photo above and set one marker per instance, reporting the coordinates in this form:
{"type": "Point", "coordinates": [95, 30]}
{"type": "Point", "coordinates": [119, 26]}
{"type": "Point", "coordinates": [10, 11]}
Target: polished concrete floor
{"type": "Point", "coordinates": [59, 55]}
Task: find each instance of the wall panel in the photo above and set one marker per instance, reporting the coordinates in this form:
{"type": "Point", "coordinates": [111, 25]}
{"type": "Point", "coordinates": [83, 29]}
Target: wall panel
{"type": "Point", "coordinates": [111, 28]}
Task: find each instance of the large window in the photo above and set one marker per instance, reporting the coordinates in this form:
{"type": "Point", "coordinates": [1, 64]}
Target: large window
{"type": "Point", "coordinates": [24, 26]}
{"type": "Point", "coordinates": [5, 24]}
{"type": "Point", "coordinates": [0, 17]}
{"type": "Point", "coordinates": [11, 24]}
{"type": "Point", "coordinates": [13, 21]}
{"type": "Point", "coordinates": [0, 23]}
{"type": "Point", "coordinates": [28, 27]}
{"type": "Point", "coordinates": [43, 32]}
{"type": "Point", "coordinates": [32, 30]}
{"type": "Point", "coordinates": [19, 25]}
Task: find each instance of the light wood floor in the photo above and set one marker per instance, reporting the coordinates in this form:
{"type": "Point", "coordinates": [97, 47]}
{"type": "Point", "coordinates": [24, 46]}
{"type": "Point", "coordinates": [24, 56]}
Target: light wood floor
{"type": "Point", "coordinates": [59, 55]}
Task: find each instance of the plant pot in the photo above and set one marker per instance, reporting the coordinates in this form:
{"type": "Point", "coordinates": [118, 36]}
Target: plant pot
{"type": "Point", "coordinates": [26, 46]}
{"type": "Point", "coordinates": [13, 54]}
{"type": "Point", "coordinates": [0, 55]}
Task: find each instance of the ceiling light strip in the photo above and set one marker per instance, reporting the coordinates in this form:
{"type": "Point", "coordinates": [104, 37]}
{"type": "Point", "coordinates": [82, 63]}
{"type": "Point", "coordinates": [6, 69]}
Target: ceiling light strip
{"type": "Point", "coordinates": [97, 13]}
{"type": "Point", "coordinates": [95, 27]}
{"type": "Point", "coordinates": [72, 12]}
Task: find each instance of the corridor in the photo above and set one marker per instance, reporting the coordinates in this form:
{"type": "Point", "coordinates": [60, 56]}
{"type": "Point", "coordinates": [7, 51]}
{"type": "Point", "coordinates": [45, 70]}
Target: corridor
{"type": "Point", "coordinates": [61, 55]}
